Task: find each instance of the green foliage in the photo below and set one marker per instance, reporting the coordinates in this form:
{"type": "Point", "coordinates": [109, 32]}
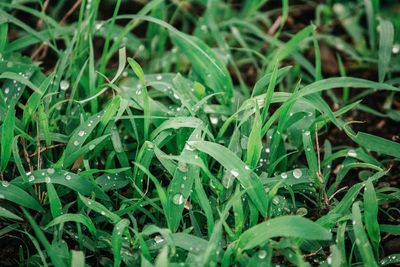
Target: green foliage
{"type": "Point", "coordinates": [201, 133]}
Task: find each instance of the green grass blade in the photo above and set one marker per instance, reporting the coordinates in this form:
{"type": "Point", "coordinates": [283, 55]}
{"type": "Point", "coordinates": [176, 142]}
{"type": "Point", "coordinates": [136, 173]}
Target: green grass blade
{"type": "Point", "coordinates": [116, 240]}
{"type": "Point", "coordinates": [7, 135]}
{"type": "Point", "coordinates": [386, 37]}
{"type": "Point", "coordinates": [362, 242]}
{"type": "Point", "coordinates": [285, 226]}
{"type": "Point", "coordinates": [371, 215]}
{"type": "Point", "coordinates": [71, 217]}
{"type": "Point", "coordinates": [15, 194]}
{"type": "Point", "coordinates": [55, 259]}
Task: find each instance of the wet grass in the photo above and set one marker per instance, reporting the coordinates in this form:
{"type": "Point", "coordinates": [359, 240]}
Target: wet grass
{"type": "Point", "coordinates": [199, 133]}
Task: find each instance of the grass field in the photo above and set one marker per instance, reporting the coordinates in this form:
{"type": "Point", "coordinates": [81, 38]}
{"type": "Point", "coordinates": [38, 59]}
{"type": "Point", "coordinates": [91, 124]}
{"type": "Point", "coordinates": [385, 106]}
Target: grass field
{"type": "Point", "coordinates": [199, 133]}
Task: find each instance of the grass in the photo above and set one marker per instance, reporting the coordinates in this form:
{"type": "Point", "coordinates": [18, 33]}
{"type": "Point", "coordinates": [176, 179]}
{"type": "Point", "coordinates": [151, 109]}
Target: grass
{"type": "Point", "coordinates": [199, 133]}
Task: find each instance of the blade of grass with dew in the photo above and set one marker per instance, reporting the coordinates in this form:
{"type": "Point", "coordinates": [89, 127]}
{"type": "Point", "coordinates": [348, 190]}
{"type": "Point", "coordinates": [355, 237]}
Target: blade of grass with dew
{"type": "Point", "coordinates": [362, 242]}
{"type": "Point", "coordinates": [116, 240]}
{"type": "Point", "coordinates": [72, 217]}
{"type": "Point", "coordinates": [205, 63]}
{"type": "Point", "coordinates": [254, 145]}
{"type": "Point", "coordinates": [90, 146]}
{"type": "Point", "coordinates": [137, 69]}
{"type": "Point", "coordinates": [240, 170]}
{"type": "Point", "coordinates": [310, 153]}
{"type": "Point", "coordinates": [81, 133]}
{"type": "Point", "coordinates": [99, 208]}
{"type": "Point", "coordinates": [68, 179]}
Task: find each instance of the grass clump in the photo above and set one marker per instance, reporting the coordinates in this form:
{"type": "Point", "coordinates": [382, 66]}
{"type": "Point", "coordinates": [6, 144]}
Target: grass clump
{"type": "Point", "coordinates": [199, 133]}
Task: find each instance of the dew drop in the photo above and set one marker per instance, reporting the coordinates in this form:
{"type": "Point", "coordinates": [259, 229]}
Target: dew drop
{"type": "Point", "coordinates": [262, 254]}
{"type": "Point", "coordinates": [189, 147]}
{"type": "Point", "coordinates": [297, 173]}
{"type": "Point", "coordinates": [103, 213]}
{"type": "Point", "coordinates": [64, 85]}
{"type": "Point", "coordinates": [5, 183]}
{"type": "Point", "coordinates": [158, 239]}
{"type": "Point", "coordinates": [81, 133]}
{"type": "Point", "coordinates": [98, 26]}
{"type": "Point", "coordinates": [76, 143]}
{"type": "Point", "coordinates": [68, 177]}
{"type": "Point", "coordinates": [283, 175]}
{"type": "Point", "coordinates": [301, 211]}
{"type": "Point", "coordinates": [234, 173]}
{"type": "Point", "coordinates": [338, 8]}
{"type": "Point", "coordinates": [307, 133]}
{"type": "Point", "coordinates": [352, 153]}
{"type": "Point", "coordinates": [396, 48]}
{"type": "Point", "coordinates": [47, 179]}
{"type": "Point", "coordinates": [178, 199]}
{"type": "Point", "coordinates": [182, 166]}
{"type": "Point", "coordinates": [159, 77]}
{"type": "Point", "coordinates": [214, 120]}
{"type": "Point", "coordinates": [31, 178]}
{"type": "Point", "coordinates": [7, 90]}
{"type": "Point", "coordinates": [50, 171]}
{"type": "Point", "coordinates": [246, 167]}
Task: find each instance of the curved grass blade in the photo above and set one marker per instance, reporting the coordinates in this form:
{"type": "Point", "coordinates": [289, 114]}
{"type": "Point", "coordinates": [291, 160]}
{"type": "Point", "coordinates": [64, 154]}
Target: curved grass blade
{"type": "Point", "coordinates": [68, 179]}
{"type": "Point", "coordinates": [72, 217]}
{"type": "Point", "coordinates": [287, 226]}
{"type": "Point", "coordinates": [4, 213]}
{"type": "Point", "coordinates": [378, 144]}
{"type": "Point", "coordinates": [15, 194]}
